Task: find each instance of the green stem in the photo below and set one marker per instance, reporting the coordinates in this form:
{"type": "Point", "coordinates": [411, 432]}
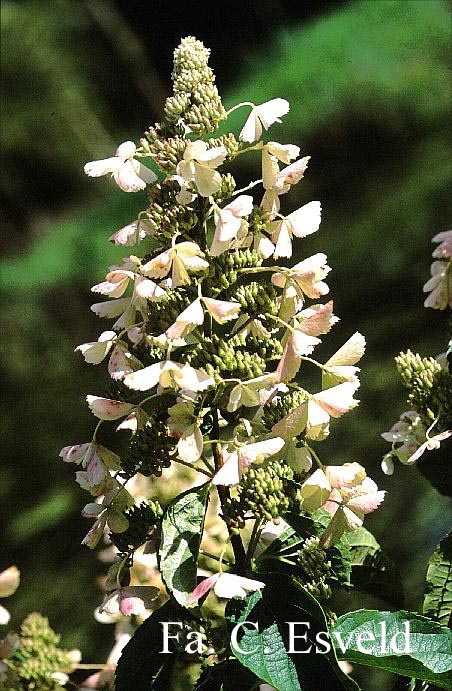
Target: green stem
{"type": "Point", "coordinates": [88, 666]}
{"type": "Point", "coordinates": [314, 362]}
{"type": "Point", "coordinates": [213, 556]}
{"type": "Point", "coordinates": [223, 493]}
{"type": "Point", "coordinates": [239, 105]}
{"type": "Point", "coordinates": [316, 458]}
{"type": "Point", "coordinates": [96, 430]}
{"type": "Point", "coordinates": [191, 466]}
{"type": "Point", "coordinates": [248, 187]}
{"type": "Point", "coordinates": [255, 534]}
{"type": "Point", "coordinates": [261, 269]}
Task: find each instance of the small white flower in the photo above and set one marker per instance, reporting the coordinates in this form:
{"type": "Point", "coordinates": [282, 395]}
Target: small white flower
{"type": "Point", "coordinates": [313, 415]}
{"type": "Point", "coordinates": [243, 457]}
{"type": "Point", "coordinates": [129, 174]}
{"type": "Point", "coordinates": [188, 320]}
{"type": "Point", "coordinates": [134, 599]}
{"type": "Point", "coordinates": [298, 344]}
{"type": "Point", "coordinates": [230, 222]}
{"type": "Point", "coordinates": [169, 375]}
{"type": "Point", "coordinates": [439, 286]}
{"type": "Point", "coordinates": [108, 409]}
{"type": "Point", "coordinates": [307, 275]}
{"type": "Point", "coordinates": [131, 234]}
{"type": "Point", "coordinates": [317, 319]}
{"type": "Point", "coordinates": [222, 311]}
{"type": "Point", "coordinates": [198, 165]}
{"type": "Point", "coordinates": [346, 493]}
{"type": "Point", "coordinates": [288, 176]}
{"type": "Point", "coordinates": [261, 117]}
{"type": "Point", "coordinates": [225, 585]}
{"type": "Point", "coordinates": [183, 424]}
{"type": "Point", "coordinates": [246, 393]}
{"type": "Point", "coordinates": [431, 443]}
{"type": "Point", "coordinates": [272, 152]}
{"type": "Point", "coordinates": [302, 222]}
{"type": "Point", "coordinates": [9, 581]}
{"type": "Point", "coordinates": [96, 351]}
{"type": "Point", "coordinates": [341, 366]}
{"type": "Point", "coordinates": [180, 259]}
{"type": "Point", "coordinates": [444, 249]}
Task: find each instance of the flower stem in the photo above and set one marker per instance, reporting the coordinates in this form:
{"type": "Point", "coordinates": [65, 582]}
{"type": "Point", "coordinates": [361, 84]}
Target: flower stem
{"type": "Point", "coordinates": [191, 466]}
{"type": "Point", "coordinates": [253, 539]}
{"type": "Point", "coordinates": [213, 556]}
{"type": "Point", "coordinates": [316, 458]}
{"type": "Point", "coordinates": [223, 493]}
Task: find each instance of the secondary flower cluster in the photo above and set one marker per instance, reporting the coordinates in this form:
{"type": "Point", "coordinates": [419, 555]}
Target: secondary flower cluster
{"type": "Point", "coordinates": [428, 380]}
{"type": "Point", "coordinates": [440, 284]}
{"type": "Point", "coordinates": [211, 334]}
{"type": "Point", "coordinates": [32, 658]}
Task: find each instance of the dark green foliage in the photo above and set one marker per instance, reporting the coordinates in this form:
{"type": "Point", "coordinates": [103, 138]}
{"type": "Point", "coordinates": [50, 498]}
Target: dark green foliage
{"type": "Point", "coordinates": [438, 592]}
{"type": "Point", "coordinates": [228, 675]}
{"type": "Point", "coordinates": [428, 655]}
{"type": "Point", "coordinates": [142, 666]}
{"type": "Point", "coordinates": [282, 601]}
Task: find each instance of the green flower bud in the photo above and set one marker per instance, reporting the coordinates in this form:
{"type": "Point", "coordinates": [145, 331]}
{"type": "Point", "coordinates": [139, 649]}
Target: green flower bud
{"type": "Point", "coordinates": [143, 520]}
{"type": "Point", "coordinates": [38, 656]}
{"type": "Point", "coordinates": [264, 491]}
{"type": "Point", "coordinates": [223, 270]}
{"type": "Point", "coordinates": [256, 299]}
{"type": "Point", "coordinates": [315, 568]}
{"type": "Point", "coordinates": [149, 450]}
{"type": "Point", "coordinates": [418, 376]}
{"type": "Point", "coordinates": [282, 406]}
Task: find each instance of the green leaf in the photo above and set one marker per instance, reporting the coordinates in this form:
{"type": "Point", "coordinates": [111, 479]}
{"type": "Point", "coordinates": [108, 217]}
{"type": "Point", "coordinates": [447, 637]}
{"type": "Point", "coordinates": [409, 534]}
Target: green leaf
{"type": "Point", "coordinates": [117, 522]}
{"type": "Point", "coordinates": [372, 571]}
{"type": "Point", "coordinates": [229, 675]}
{"type": "Point", "coordinates": [182, 527]}
{"type": "Point", "coordinates": [142, 666]}
{"type": "Point", "coordinates": [264, 651]}
{"type": "Point", "coordinates": [438, 592]}
{"type": "Point", "coordinates": [367, 637]}
{"type": "Point", "coordinates": [362, 544]}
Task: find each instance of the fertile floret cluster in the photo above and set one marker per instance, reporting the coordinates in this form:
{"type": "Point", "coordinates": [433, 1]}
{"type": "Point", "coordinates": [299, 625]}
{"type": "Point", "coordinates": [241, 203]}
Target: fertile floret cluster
{"type": "Point", "coordinates": [36, 661]}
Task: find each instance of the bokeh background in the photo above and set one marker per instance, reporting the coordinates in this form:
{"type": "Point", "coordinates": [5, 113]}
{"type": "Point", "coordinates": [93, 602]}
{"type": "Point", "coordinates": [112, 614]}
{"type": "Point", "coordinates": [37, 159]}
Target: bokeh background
{"type": "Point", "coordinates": [370, 97]}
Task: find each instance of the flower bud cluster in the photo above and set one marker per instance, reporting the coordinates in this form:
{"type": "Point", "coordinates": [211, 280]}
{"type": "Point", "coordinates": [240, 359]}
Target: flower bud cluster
{"type": "Point", "coordinates": [149, 450]}
{"type": "Point", "coordinates": [36, 660]}
{"type": "Point", "coordinates": [143, 521]}
{"type": "Point", "coordinates": [263, 492]}
{"type": "Point", "coordinates": [418, 376]}
{"type": "Point", "coordinates": [232, 357]}
{"type": "Point", "coordinates": [315, 567]}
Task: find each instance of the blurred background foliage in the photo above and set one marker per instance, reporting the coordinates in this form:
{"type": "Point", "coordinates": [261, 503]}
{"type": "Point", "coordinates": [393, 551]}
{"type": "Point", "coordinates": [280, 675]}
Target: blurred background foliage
{"type": "Point", "coordinates": [370, 97]}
